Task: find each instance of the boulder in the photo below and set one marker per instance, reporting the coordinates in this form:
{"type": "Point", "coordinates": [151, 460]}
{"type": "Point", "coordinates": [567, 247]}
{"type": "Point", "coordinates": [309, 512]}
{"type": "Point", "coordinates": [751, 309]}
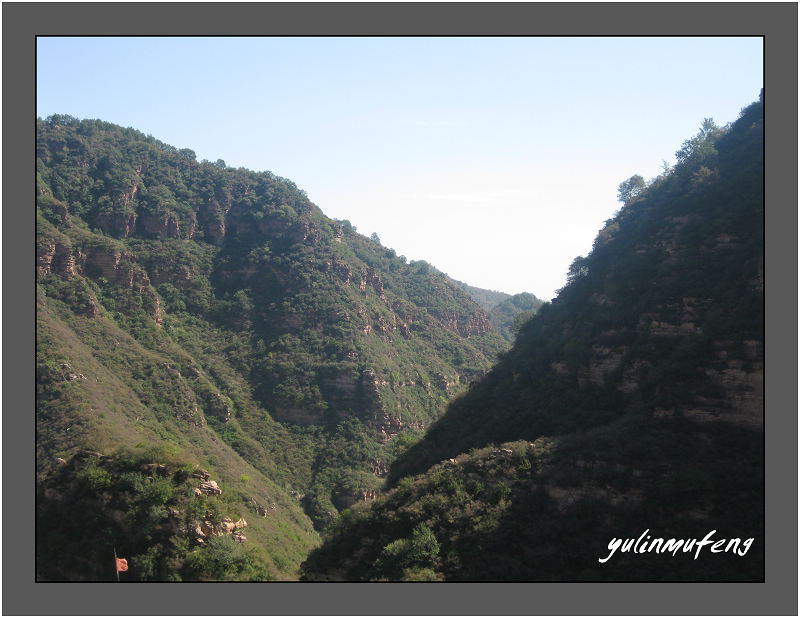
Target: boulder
{"type": "Point", "coordinates": [226, 526]}
{"type": "Point", "coordinates": [210, 488]}
{"type": "Point", "coordinates": [201, 474]}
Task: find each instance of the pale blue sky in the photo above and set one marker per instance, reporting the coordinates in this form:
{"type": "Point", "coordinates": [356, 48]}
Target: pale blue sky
{"type": "Point", "coordinates": [495, 159]}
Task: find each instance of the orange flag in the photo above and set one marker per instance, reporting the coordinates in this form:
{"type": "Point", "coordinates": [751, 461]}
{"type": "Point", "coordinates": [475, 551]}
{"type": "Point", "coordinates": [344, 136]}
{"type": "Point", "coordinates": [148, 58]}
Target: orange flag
{"type": "Point", "coordinates": [122, 564]}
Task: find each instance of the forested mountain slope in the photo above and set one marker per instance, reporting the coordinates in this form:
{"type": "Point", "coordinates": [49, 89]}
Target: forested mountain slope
{"type": "Point", "coordinates": [216, 318]}
{"type": "Point", "coordinates": [631, 405]}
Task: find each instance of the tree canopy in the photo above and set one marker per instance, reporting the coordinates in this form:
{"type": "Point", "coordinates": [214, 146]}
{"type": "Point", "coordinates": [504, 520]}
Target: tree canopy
{"type": "Point", "coordinates": [631, 188]}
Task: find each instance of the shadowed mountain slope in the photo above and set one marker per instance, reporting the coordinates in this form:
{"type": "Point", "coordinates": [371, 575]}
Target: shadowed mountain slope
{"type": "Point", "coordinates": [631, 405]}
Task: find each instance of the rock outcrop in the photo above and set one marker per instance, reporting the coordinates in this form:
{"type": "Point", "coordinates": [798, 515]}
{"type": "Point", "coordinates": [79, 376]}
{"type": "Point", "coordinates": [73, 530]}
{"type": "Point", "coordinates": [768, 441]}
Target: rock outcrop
{"type": "Point", "coordinates": [342, 270]}
{"type": "Point", "coordinates": [120, 268]}
{"type": "Point", "coordinates": [212, 218]}
{"type": "Point", "coordinates": [209, 488]}
{"type": "Point", "coordinates": [204, 529]}
{"type": "Point", "coordinates": [220, 406]}
{"type": "Point", "coordinates": [55, 256]}
{"type": "Point", "coordinates": [119, 224]}
{"type": "Point", "coordinates": [475, 324]}
{"type": "Point", "coordinates": [45, 251]}
{"type": "Point", "coordinates": [163, 225]}
{"type": "Point", "coordinates": [263, 511]}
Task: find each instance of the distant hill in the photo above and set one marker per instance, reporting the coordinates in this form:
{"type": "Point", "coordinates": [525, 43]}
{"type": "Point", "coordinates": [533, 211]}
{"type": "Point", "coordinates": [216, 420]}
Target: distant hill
{"type": "Point", "coordinates": [509, 315]}
{"type": "Point", "coordinates": [629, 408]}
{"type": "Point", "coordinates": [503, 309]}
{"type": "Point", "coordinates": [486, 299]}
{"type": "Point", "coordinates": [199, 316]}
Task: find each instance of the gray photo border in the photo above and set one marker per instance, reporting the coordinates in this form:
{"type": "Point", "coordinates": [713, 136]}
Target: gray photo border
{"type": "Point", "coordinates": [776, 22]}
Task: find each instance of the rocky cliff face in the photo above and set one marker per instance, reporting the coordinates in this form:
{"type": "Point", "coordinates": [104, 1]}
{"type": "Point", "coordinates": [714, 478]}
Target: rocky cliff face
{"type": "Point", "coordinates": [121, 268]}
{"type": "Point", "coordinates": [738, 381]}
{"type": "Point", "coordinates": [212, 217]}
{"type": "Point", "coordinates": [164, 225]}
{"type": "Point", "coordinates": [117, 224]}
{"type": "Point", "coordinates": [55, 256]}
{"type": "Point", "coordinates": [476, 324]}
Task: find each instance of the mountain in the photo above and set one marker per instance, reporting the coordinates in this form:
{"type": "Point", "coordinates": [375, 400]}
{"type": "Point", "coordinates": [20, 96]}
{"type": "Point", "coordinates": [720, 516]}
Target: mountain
{"type": "Point", "coordinates": [508, 316]}
{"type": "Point", "coordinates": [215, 322]}
{"type": "Point", "coordinates": [503, 310]}
{"type": "Point", "coordinates": [487, 299]}
{"type": "Point", "coordinates": [629, 408]}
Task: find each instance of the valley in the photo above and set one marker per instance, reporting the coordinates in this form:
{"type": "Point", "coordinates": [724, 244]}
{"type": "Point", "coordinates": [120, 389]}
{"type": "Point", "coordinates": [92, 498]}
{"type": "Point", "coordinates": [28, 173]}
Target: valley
{"type": "Point", "coordinates": [237, 387]}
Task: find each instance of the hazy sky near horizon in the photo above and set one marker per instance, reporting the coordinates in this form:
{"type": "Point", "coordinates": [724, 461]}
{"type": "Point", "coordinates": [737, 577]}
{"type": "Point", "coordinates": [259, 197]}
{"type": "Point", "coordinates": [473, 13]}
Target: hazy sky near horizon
{"type": "Point", "coordinates": [496, 159]}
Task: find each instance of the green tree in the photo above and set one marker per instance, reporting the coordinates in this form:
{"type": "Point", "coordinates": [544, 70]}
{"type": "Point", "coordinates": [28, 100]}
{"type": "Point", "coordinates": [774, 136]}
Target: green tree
{"type": "Point", "coordinates": [424, 547]}
{"type": "Point", "coordinates": [701, 148]}
{"type": "Point", "coordinates": [220, 560]}
{"type": "Point", "coordinates": [146, 565]}
{"type": "Point", "coordinates": [578, 269]}
{"type": "Point", "coordinates": [418, 552]}
{"type": "Point", "coordinates": [631, 188]}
